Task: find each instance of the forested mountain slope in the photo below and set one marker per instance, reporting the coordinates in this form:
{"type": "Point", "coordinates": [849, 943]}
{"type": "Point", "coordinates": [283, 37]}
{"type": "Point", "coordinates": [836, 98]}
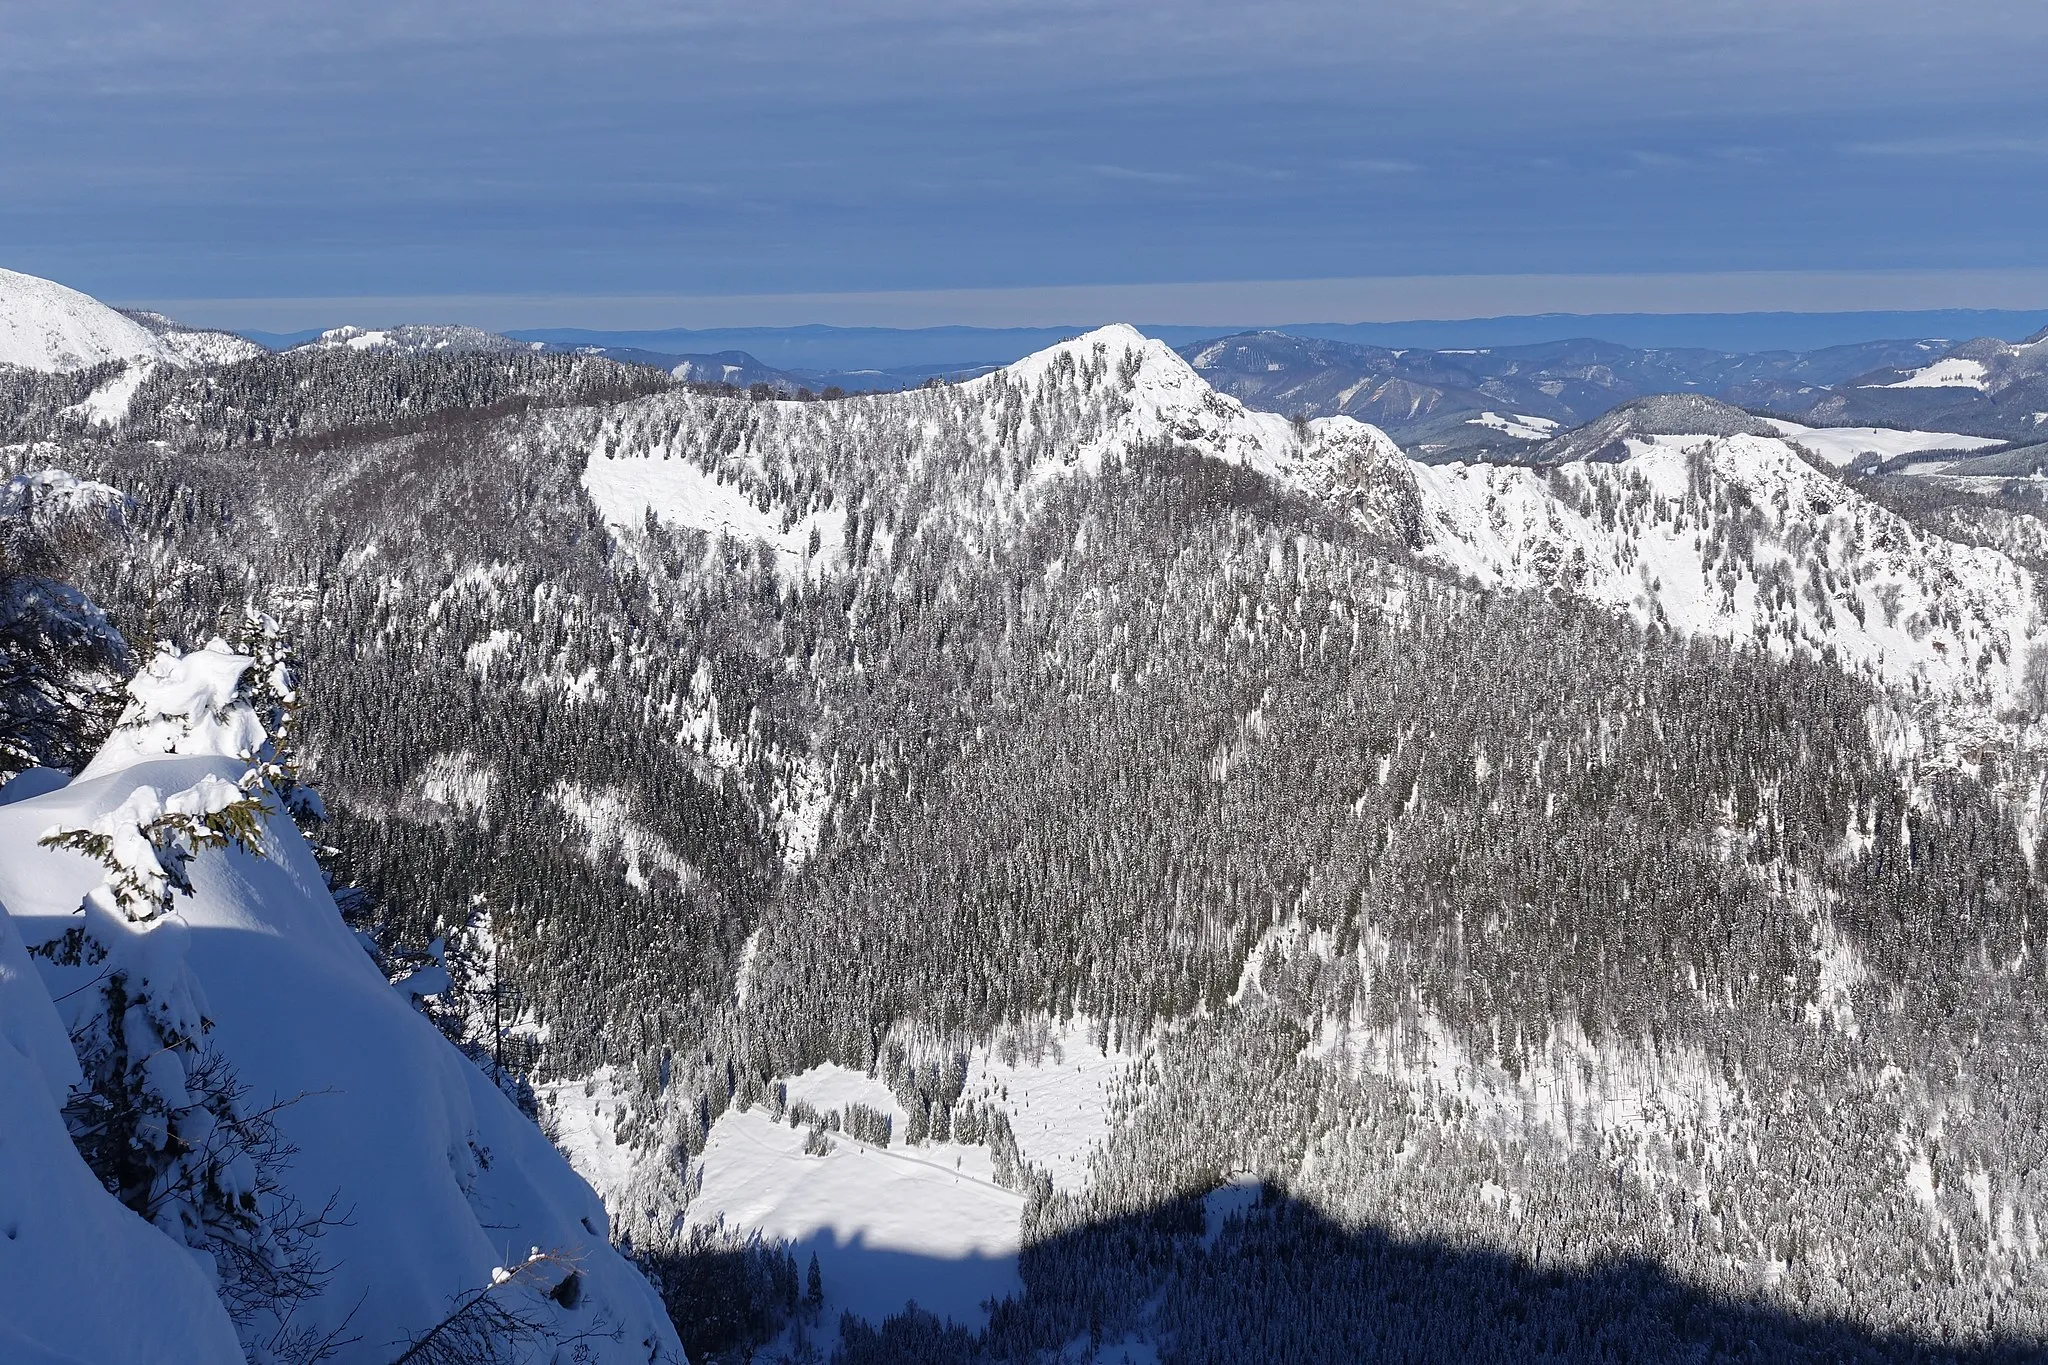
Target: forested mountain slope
{"type": "Point", "coordinates": [1631, 858]}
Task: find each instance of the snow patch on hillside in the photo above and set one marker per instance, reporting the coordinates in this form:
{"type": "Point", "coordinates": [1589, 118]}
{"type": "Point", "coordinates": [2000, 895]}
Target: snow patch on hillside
{"type": "Point", "coordinates": [108, 404]}
{"type": "Point", "coordinates": [1955, 372]}
{"type": "Point", "coordinates": [1514, 424]}
{"type": "Point", "coordinates": [611, 832]}
{"type": "Point", "coordinates": [457, 783]}
{"type": "Point", "coordinates": [1843, 446]}
{"type": "Point", "coordinates": [677, 492]}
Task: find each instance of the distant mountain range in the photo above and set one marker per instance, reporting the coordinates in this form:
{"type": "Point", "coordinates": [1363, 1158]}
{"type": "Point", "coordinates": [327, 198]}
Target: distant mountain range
{"type": "Point", "coordinates": [1440, 402]}
{"type": "Point", "coordinates": [1985, 387]}
{"type": "Point", "coordinates": [1448, 404]}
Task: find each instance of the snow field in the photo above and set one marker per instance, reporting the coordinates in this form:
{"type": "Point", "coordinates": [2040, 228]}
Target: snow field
{"type": "Point", "coordinates": [681, 494]}
{"type": "Point", "coordinates": [1843, 446]}
{"type": "Point", "coordinates": [888, 1224]}
{"type": "Point", "coordinates": [1516, 425]}
{"type": "Point", "coordinates": [1952, 373]}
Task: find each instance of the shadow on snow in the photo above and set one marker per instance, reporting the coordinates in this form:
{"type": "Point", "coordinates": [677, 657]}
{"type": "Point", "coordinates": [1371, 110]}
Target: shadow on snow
{"type": "Point", "coordinates": [1284, 1283]}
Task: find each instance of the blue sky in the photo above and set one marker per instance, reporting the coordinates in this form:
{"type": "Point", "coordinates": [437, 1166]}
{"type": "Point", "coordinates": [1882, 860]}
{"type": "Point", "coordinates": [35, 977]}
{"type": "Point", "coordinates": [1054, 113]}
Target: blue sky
{"type": "Point", "coordinates": [642, 164]}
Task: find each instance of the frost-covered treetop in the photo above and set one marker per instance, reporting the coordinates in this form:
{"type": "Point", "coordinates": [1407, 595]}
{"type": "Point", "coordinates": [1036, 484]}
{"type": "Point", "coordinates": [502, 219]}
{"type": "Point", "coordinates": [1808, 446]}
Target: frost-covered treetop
{"type": "Point", "coordinates": [185, 704]}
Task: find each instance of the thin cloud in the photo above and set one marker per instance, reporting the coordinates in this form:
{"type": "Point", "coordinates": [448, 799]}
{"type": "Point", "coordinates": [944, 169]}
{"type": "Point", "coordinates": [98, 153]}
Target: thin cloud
{"type": "Point", "coordinates": [1140, 176]}
{"type": "Point", "coordinates": [1953, 146]}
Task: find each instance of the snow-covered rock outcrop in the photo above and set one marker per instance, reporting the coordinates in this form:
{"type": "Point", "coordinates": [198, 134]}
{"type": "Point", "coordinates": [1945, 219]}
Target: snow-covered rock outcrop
{"type": "Point", "coordinates": [172, 968]}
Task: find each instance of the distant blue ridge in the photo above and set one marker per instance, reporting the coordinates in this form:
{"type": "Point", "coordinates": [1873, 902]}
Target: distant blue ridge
{"type": "Point", "coordinates": [845, 348]}
{"type": "Point", "coordinates": [822, 348]}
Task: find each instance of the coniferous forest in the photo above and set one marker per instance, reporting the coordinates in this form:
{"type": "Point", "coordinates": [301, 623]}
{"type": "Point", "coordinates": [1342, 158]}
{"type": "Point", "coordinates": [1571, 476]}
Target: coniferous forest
{"type": "Point", "coordinates": [1561, 981]}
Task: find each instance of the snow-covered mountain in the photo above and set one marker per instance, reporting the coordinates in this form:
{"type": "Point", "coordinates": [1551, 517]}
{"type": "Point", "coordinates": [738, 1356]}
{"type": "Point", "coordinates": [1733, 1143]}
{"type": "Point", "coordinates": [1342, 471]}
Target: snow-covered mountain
{"type": "Point", "coordinates": [1679, 510]}
{"type": "Point", "coordinates": [875, 798]}
{"type": "Point", "coordinates": [417, 338]}
{"type": "Point", "coordinates": [45, 326]}
{"type": "Point", "coordinates": [305, 1169]}
{"type": "Point", "coordinates": [49, 327]}
{"type": "Point", "coordinates": [1986, 387]}
{"type": "Point", "coordinates": [1689, 517]}
{"type": "Point", "coordinates": [1061, 411]}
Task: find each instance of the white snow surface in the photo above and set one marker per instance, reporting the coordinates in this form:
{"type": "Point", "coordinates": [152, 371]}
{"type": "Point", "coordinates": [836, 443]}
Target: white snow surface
{"type": "Point", "coordinates": [683, 495]}
{"type": "Point", "coordinates": [46, 326]}
{"type": "Point", "coordinates": [108, 404]}
{"type": "Point", "coordinates": [82, 1279]}
{"type": "Point", "coordinates": [1517, 425]}
{"type": "Point", "coordinates": [888, 1224]}
{"type": "Point", "coordinates": [49, 327]}
{"type": "Point", "coordinates": [1842, 446]}
{"type": "Point", "coordinates": [1955, 372]}
{"type": "Point", "coordinates": [443, 1181]}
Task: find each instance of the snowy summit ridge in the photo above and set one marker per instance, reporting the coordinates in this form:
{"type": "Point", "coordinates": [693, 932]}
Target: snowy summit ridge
{"type": "Point", "coordinates": [50, 327]}
{"type": "Point", "coordinates": [46, 326]}
{"type": "Point", "coordinates": [1680, 510]}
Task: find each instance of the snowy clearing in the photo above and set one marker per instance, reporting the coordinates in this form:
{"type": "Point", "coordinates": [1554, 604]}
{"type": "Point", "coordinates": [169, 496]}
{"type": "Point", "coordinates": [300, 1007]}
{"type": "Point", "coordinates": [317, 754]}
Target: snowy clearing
{"type": "Point", "coordinates": [888, 1224]}
{"type": "Point", "coordinates": [1953, 373]}
{"type": "Point", "coordinates": [1841, 446]}
{"type": "Point", "coordinates": [681, 494]}
{"type": "Point", "coordinates": [1516, 425]}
